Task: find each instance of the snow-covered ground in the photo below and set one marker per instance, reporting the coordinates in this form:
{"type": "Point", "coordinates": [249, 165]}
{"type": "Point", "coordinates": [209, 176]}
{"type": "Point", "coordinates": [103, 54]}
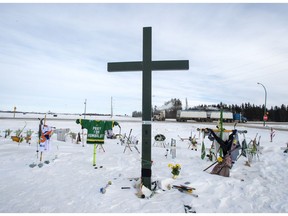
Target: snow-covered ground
{"type": "Point", "coordinates": [70, 184]}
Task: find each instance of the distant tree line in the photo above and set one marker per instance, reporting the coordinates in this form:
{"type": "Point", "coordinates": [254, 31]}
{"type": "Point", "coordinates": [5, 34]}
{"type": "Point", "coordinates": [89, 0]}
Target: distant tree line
{"type": "Point", "coordinates": [136, 114]}
{"type": "Point", "coordinates": [251, 111]}
{"type": "Point", "coordinates": [255, 113]}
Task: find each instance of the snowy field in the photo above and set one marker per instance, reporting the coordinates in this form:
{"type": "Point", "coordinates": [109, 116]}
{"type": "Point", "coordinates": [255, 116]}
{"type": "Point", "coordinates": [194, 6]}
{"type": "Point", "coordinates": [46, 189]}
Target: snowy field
{"type": "Point", "coordinates": [70, 184]}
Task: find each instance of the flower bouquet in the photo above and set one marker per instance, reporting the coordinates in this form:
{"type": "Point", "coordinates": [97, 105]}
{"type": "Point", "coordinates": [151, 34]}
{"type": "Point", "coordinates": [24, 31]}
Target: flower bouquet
{"type": "Point", "coordinates": [175, 170]}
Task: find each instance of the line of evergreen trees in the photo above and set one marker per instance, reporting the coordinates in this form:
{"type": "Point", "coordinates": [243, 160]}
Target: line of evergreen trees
{"type": "Point", "coordinates": [250, 111]}
{"type": "Point", "coordinates": [256, 113]}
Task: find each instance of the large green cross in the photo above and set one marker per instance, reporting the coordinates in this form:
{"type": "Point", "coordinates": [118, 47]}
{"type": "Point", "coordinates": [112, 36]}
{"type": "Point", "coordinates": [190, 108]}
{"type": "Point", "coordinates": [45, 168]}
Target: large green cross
{"type": "Point", "coordinates": [146, 66]}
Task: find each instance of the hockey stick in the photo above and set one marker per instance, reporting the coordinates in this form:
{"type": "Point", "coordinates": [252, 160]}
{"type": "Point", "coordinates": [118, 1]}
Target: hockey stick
{"type": "Point", "coordinates": [40, 131]}
{"type": "Point", "coordinates": [23, 128]}
{"type": "Point", "coordinates": [19, 135]}
{"type": "Point", "coordinates": [217, 161]}
{"type": "Point", "coordinates": [39, 136]}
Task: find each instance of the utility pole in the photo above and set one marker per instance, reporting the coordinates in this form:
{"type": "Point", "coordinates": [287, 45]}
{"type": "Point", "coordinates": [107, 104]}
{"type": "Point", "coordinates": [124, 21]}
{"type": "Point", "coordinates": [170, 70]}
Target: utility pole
{"type": "Point", "coordinates": [84, 118]}
{"type": "Point", "coordinates": [85, 108]}
{"type": "Point", "coordinates": [111, 107]}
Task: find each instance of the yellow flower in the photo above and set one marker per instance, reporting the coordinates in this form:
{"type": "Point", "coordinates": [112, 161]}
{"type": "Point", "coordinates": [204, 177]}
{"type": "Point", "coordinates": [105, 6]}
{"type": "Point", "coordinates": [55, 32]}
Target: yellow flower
{"type": "Point", "coordinates": [177, 166]}
{"type": "Point", "coordinates": [170, 165]}
{"type": "Point", "coordinates": [219, 159]}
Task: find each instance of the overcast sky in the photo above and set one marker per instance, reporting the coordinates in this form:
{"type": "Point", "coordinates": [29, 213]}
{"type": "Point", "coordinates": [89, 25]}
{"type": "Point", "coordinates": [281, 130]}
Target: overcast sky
{"type": "Point", "coordinates": [54, 56]}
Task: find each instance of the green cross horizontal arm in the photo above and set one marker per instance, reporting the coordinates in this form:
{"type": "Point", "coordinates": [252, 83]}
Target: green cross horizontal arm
{"type": "Point", "coordinates": [155, 65]}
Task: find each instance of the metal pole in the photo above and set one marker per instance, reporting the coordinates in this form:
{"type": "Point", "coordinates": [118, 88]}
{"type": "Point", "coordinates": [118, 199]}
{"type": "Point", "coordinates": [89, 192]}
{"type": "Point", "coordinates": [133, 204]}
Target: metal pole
{"type": "Point", "coordinates": [111, 107]}
{"type": "Point", "coordinates": [83, 128]}
{"type": "Point", "coordinates": [265, 102]}
{"type": "Point", "coordinates": [85, 108]}
{"type": "Point", "coordinates": [14, 111]}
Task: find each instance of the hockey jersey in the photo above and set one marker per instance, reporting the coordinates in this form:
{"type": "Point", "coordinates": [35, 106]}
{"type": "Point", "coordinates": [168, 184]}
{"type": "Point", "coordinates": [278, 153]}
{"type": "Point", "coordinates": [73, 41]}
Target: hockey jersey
{"type": "Point", "coordinates": [96, 129]}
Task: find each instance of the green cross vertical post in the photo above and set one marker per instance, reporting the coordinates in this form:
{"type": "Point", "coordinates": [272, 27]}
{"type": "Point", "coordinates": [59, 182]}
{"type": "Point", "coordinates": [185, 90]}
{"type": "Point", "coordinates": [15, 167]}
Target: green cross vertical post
{"type": "Point", "coordinates": [147, 66]}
